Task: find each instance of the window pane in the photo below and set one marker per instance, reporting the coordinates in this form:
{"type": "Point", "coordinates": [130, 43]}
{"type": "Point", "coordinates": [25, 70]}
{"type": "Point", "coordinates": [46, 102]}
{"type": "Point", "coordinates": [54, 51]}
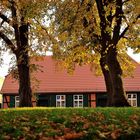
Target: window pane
{"type": "Point", "coordinates": [75, 103]}
{"type": "Point", "coordinates": [80, 97]}
{"type": "Point", "coordinates": [80, 104]}
{"type": "Point", "coordinates": [58, 104]}
{"type": "Point", "coordinates": [58, 97]}
{"type": "Point", "coordinates": [129, 95]}
{"type": "Point", "coordinates": [75, 97]}
{"type": "Point", "coordinates": [17, 104]}
{"type": "Point", "coordinates": [134, 103]}
{"type": "Point", "coordinates": [129, 102]}
{"type": "Point", "coordinates": [63, 103]}
{"type": "Point", "coordinates": [62, 97]}
{"type": "Point", "coordinates": [17, 98]}
{"type": "Point", "coordinates": [16, 101]}
{"type": "Point", "coordinates": [134, 96]}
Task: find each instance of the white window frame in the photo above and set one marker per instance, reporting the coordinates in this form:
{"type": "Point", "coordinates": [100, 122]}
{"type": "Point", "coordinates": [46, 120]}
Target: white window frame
{"type": "Point", "coordinates": [60, 100]}
{"type": "Point", "coordinates": [78, 100]}
{"type": "Point", "coordinates": [131, 99]}
{"type": "Point", "coordinates": [16, 101]}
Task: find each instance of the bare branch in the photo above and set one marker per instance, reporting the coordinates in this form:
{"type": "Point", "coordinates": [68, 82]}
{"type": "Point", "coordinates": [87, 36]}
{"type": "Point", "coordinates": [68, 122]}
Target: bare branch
{"type": "Point", "coordinates": [118, 21]}
{"type": "Point", "coordinates": [15, 21]}
{"type": "Point", "coordinates": [125, 1]}
{"type": "Point", "coordinates": [123, 33]}
{"type": "Point", "coordinates": [4, 18]}
{"type": "Point", "coordinates": [8, 42]}
{"type": "Point", "coordinates": [128, 26]}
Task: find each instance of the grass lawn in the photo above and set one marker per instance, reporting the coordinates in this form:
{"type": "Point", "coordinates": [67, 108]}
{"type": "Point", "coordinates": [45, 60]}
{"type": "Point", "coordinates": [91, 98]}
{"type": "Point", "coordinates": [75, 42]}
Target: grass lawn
{"type": "Point", "coordinates": [70, 123]}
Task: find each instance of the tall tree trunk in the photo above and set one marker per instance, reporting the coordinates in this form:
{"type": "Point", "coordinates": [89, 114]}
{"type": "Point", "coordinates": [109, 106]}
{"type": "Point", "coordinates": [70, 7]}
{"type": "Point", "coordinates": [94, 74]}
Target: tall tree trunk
{"type": "Point", "coordinates": [25, 93]}
{"type": "Point", "coordinates": [115, 71]}
{"type": "Point", "coordinates": [107, 79]}
{"type": "Point", "coordinates": [22, 56]}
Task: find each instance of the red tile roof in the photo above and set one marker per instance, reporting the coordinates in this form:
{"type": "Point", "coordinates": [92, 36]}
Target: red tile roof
{"type": "Point", "coordinates": [82, 80]}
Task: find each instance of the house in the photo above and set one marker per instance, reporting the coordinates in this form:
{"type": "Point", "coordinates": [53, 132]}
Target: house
{"type": "Point", "coordinates": [57, 88]}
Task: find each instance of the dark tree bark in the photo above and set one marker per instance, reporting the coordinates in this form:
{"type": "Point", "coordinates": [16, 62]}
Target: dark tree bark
{"type": "Point", "coordinates": [115, 72]}
{"type": "Point", "coordinates": [116, 95]}
{"type": "Point", "coordinates": [25, 93]}
{"type": "Point", "coordinates": [22, 56]}
{"type": "Point", "coordinates": [107, 79]}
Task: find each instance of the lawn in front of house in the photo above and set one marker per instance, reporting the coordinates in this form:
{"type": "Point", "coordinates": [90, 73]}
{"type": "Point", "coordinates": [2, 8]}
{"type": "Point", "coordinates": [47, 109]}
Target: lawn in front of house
{"type": "Point", "coordinates": [69, 123]}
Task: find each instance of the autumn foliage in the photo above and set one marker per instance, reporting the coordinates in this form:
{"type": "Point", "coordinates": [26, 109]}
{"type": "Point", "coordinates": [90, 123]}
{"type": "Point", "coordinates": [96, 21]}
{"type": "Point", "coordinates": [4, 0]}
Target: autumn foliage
{"type": "Point", "coordinates": [70, 123]}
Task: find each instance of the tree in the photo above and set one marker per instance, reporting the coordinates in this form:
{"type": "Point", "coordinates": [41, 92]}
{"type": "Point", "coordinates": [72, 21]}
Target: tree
{"type": "Point", "coordinates": [103, 27]}
{"type": "Point", "coordinates": [18, 27]}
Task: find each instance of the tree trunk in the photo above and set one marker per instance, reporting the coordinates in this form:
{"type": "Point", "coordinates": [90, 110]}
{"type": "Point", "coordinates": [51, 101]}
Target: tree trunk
{"type": "Point", "coordinates": [25, 93]}
{"type": "Point", "coordinates": [107, 79]}
{"type": "Point", "coordinates": [115, 71]}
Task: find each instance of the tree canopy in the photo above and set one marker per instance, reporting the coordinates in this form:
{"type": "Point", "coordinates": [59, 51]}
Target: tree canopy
{"type": "Point", "coordinates": [103, 28]}
{"type": "Point", "coordinates": [21, 34]}
{"type": "Point", "coordinates": [77, 24]}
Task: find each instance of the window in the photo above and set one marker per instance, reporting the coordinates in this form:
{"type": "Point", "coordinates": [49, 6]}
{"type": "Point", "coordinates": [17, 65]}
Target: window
{"type": "Point", "coordinates": [16, 101]}
{"type": "Point", "coordinates": [132, 99]}
{"type": "Point", "coordinates": [78, 100]}
{"type": "Point", "coordinates": [60, 101]}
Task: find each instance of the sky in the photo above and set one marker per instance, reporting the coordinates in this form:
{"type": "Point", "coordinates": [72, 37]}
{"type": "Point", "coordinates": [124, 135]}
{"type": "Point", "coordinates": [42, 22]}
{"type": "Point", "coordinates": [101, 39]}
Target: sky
{"type": "Point", "coordinates": [7, 57]}
{"type": "Point", "coordinates": [4, 68]}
